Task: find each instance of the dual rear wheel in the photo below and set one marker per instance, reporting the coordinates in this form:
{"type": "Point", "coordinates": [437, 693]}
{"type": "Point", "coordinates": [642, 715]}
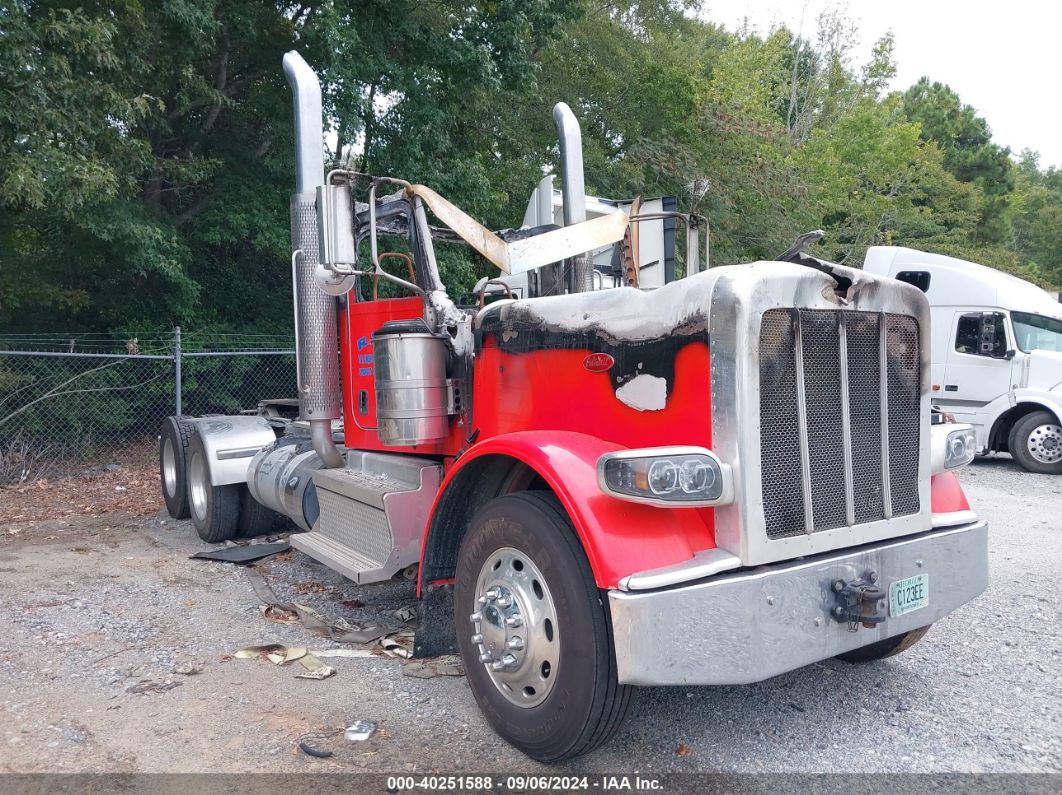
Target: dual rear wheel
{"type": "Point", "coordinates": [219, 513]}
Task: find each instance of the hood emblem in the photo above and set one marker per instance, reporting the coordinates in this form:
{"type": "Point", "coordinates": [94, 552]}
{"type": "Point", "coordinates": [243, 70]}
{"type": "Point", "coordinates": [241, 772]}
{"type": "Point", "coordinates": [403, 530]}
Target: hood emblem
{"type": "Point", "coordinates": [598, 362]}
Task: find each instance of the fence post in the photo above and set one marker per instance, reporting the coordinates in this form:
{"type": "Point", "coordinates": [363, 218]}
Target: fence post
{"type": "Point", "coordinates": [177, 367]}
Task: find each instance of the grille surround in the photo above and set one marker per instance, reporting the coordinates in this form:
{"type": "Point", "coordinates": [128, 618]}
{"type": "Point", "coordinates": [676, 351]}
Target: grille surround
{"type": "Point", "coordinates": [740, 296]}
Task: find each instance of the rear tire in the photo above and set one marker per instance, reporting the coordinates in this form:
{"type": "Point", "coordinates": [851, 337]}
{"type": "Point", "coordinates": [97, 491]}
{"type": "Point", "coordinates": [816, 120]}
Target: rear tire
{"type": "Point", "coordinates": [173, 451]}
{"type": "Point", "coordinates": [1036, 443]}
{"type": "Point", "coordinates": [255, 518]}
{"type": "Point", "coordinates": [889, 647]}
{"type": "Point", "coordinates": [558, 697]}
{"type": "Point", "coordinates": [215, 509]}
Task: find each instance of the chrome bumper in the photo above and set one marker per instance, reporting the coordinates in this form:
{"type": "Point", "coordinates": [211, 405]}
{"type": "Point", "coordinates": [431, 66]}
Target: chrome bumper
{"type": "Point", "coordinates": [749, 626]}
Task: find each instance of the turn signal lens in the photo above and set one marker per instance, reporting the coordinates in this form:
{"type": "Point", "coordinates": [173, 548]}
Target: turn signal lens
{"type": "Point", "coordinates": [681, 477]}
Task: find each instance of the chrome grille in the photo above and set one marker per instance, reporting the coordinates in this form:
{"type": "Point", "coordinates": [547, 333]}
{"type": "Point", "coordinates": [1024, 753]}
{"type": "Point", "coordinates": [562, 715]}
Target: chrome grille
{"type": "Point", "coordinates": [838, 444]}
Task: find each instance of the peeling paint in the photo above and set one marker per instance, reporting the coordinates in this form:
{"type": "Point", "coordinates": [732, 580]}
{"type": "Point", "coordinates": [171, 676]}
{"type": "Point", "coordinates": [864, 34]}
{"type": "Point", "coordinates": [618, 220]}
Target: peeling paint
{"type": "Point", "coordinates": [644, 393]}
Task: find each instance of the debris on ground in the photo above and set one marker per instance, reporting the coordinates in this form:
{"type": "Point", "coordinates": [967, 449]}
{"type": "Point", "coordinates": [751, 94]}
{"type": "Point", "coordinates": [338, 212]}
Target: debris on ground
{"type": "Point", "coordinates": [342, 653]}
{"type": "Point", "coordinates": [242, 554]}
{"type": "Point", "coordinates": [338, 630]}
{"type": "Point", "coordinates": [96, 494]}
{"type": "Point", "coordinates": [449, 665]}
{"type": "Point", "coordinates": [360, 730]}
{"type": "Point", "coordinates": [398, 644]}
{"type": "Point", "coordinates": [150, 686]}
{"type": "Point", "coordinates": [188, 668]}
{"type": "Point", "coordinates": [282, 655]}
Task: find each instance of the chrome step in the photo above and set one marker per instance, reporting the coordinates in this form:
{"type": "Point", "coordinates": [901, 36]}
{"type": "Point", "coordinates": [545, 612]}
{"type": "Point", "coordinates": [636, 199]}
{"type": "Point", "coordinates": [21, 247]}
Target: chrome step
{"type": "Point", "coordinates": [373, 514]}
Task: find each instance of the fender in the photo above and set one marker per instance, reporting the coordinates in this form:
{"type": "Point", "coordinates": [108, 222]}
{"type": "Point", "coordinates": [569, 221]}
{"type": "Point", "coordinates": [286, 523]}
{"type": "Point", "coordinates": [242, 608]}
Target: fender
{"type": "Point", "coordinates": [231, 441]}
{"type": "Point", "coordinates": [619, 537]}
{"type": "Point", "coordinates": [1052, 401]}
{"type": "Point", "coordinates": [948, 501]}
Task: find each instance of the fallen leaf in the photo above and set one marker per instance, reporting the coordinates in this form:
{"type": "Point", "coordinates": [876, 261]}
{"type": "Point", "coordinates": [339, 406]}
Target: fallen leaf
{"type": "Point", "coordinates": [683, 750]}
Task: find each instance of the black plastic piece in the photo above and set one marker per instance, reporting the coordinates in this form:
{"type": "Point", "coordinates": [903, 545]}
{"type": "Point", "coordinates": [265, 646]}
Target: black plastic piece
{"type": "Point", "coordinates": [413, 326]}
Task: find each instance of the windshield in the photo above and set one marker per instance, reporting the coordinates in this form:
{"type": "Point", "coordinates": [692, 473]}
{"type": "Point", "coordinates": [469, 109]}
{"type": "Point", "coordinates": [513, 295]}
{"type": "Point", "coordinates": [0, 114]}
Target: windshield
{"type": "Point", "coordinates": [1036, 332]}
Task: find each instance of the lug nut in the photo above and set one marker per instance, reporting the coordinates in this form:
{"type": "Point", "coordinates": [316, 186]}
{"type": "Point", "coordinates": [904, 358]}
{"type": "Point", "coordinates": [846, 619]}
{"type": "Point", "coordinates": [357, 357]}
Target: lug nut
{"type": "Point", "coordinates": [486, 657]}
{"type": "Point", "coordinates": [515, 643]}
{"type": "Point", "coordinates": [504, 601]}
{"type": "Point", "coordinates": [491, 595]}
{"type": "Point", "coordinates": [482, 600]}
{"type": "Point", "coordinates": [477, 638]}
{"type": "Point", "coordinates": [475, 617]}
{"type": "Point", "coordinates": [504, 662]}
{"type": "Point", "coordinates": [514, 621]}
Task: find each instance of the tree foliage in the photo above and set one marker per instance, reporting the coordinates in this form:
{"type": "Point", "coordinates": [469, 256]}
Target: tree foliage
{"type": "Point", "coordinates": [146, 148]}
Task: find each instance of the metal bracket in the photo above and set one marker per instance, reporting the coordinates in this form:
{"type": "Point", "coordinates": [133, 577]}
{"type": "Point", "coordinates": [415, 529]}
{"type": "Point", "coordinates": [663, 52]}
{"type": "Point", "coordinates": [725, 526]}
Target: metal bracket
{"type": "Point", "coordinates": [454, 396]}
{"type": "Point", "coordinates": [860, 601]}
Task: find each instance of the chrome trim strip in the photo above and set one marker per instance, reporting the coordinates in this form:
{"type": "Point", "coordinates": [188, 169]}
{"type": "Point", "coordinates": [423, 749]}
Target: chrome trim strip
{"type": "Point", "coordinates": [883, 381]}
{"type": "Point", "coordinates": [953, 518]}
{"type": "Point", "coordinates": [238, 452]}
{"type": "Point", "coordinates": [846, 423]}
{"type": "Point", "coordinates": [802, 423]}
{"type": "Point", "coordinates": [703, 564]}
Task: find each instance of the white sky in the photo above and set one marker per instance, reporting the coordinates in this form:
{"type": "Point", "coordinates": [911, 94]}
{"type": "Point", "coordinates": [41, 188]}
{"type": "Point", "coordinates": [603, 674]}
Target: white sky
{"type": "Point", "coordinates": [1003, 58]}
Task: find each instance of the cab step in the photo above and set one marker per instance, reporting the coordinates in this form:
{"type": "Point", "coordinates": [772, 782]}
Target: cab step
{"type": "Point", "coordinates": [373, 514]}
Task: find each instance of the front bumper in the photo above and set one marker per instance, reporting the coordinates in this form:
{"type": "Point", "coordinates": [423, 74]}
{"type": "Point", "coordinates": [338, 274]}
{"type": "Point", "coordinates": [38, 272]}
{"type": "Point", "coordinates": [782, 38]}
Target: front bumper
{"type": "Point", "coordinates": [752, 625]}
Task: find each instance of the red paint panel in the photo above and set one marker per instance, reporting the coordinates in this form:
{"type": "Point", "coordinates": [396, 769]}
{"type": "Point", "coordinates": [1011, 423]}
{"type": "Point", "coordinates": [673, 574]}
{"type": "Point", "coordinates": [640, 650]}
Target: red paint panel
{"type": "Point", "coordinates": [619, 537]}
{"type": "Point", "coordinates": [946, 495]}
{"type": "Point", "coordinates": [356, 325]}
{"type": "Point", "coordinates": [553, 390]}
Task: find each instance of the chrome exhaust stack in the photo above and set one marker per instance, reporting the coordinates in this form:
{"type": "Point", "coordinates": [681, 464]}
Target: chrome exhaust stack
{"type": "Point", "coordinates": [573, 188]}
{"type": "Point", "coordinates": [317, 342]}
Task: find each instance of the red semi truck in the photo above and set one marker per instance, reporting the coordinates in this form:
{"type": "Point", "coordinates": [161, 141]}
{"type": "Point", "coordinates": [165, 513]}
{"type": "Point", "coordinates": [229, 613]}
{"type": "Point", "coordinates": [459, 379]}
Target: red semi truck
{"type": "Point", "coordinates": [714, 481]}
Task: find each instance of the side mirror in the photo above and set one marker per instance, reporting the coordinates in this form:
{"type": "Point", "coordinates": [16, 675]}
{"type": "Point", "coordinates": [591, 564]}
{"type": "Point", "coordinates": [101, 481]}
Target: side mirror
{"type": "Point", "coordinates": [993, 336]}
{"type": "Point", "coordinates": [1010, 354]}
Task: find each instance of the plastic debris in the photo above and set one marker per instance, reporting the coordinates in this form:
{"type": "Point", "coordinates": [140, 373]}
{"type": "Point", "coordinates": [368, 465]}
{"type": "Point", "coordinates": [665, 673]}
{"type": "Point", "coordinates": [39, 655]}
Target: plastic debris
{"type": "Point", "coordinates": [360, 730]}
{"type": "Point", "coordinates": [311, 751]}
{"type": "Point", "coordinates": [274, 652]}
{"type": "Point", "coordinates": [429, 669]}
{"type": "Point", "coordinates": [248, 553]}
{"type": "Point", "coordinates": [315, 669]}
{"type": "Point", "coordinates": [395, 644]}
{"type": "Point", "coordinates": [342, 653]}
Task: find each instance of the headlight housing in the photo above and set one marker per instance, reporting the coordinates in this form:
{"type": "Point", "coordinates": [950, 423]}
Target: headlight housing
{"type": "Point", "coordinates": [960, 448]}
{"type": "Point", "coordinates": [953, 446]}
{"type": "Point", "coordinates": [673, 477]}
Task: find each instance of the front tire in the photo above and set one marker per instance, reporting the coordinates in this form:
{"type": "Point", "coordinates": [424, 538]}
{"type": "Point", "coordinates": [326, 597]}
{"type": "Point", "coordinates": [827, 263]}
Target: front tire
{"type": "Point", "coordinates": [1036, 443]}
{"type": "Point", "coordinates": [889, 647]}
{"type": "Point", "coordinates": [534, 631]}
{"type": "Point", "coordinates": [215, 509]}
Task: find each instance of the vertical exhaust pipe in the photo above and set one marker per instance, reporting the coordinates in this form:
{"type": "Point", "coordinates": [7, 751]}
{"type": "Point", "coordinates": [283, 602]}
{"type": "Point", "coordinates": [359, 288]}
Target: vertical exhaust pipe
{"type": "Point", "coordinates": [573, 188]}
{"type": "Point", "coordinates": [315, 322]}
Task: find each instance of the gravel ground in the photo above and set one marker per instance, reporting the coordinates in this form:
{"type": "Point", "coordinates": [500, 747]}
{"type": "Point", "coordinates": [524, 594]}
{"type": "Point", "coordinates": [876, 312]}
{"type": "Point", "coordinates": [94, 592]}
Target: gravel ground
{"type": "Point", "coordinates": [95, 609]}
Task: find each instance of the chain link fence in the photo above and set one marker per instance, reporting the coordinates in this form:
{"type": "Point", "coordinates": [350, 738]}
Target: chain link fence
{"type": "Point", "coordinates": [71, 402]}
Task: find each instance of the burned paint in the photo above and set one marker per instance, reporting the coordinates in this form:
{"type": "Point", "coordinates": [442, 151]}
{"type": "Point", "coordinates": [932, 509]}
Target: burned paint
{"type": "Point", "coordinates": [632, 358]}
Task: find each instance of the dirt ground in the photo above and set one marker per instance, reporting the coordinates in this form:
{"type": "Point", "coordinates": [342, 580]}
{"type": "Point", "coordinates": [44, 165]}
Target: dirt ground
{"type": "Point", "coordinates": [117, 657]}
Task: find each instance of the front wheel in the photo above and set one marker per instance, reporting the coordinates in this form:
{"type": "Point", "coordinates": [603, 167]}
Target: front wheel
{"type": "Point", "coordinates": [1036, 443]}
{"type": "Point", "coordinates": [889, 647]}
{"type": "Point", "coordinates": [534, 632]}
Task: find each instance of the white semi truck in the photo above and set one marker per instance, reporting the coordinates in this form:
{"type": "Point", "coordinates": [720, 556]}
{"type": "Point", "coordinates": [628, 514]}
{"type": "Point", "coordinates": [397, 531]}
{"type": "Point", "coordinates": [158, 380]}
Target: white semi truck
{"type": "Point", "coordinates": [996, 352]}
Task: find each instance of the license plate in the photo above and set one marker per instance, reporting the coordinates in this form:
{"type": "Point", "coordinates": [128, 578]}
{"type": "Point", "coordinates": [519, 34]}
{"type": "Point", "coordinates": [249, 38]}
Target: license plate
{"type": "Point", "coordinates": [908, 595]}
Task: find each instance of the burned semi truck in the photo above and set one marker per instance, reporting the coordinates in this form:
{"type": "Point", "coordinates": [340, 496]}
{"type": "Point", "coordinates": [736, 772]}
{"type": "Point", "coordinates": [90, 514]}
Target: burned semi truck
{"type": "Point", "coordinates": [596, 485]}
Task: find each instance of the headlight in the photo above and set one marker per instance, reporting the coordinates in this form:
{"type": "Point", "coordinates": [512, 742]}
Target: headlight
{"type": "Point", "coordinates": [666, 476]}
{"type": "Point", "coordinates": [960, 448]}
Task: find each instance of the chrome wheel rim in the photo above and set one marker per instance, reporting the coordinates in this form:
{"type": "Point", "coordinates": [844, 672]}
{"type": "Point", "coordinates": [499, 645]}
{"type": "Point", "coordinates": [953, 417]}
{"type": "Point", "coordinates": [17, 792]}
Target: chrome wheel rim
{"type": "Point", "coordinates": [1045, 443]}
{"type": "Point", "coordinates": [515, 628]}
{"type": "Point", "coordinates": [169, 468]}
{"type": "Point", "coordinates": [197, 485]}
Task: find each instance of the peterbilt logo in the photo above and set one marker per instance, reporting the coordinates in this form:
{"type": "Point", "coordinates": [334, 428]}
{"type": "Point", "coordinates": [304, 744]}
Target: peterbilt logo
{"type": "Point", "coordinates": [598, 362]}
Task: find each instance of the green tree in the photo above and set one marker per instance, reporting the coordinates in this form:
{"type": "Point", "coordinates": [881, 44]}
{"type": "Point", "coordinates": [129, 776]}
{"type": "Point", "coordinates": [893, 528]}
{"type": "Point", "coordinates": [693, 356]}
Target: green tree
{"type": "Point", "coordinates": [969, 152]}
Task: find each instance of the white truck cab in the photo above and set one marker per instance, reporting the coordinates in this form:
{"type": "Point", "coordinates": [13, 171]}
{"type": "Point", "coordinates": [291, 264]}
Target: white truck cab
{"type": "Point", "coordinates": [996, 352]}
